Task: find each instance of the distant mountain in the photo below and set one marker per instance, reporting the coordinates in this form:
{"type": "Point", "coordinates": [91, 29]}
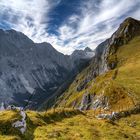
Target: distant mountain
{"type": "Point", "coordinates": [111, 81]}
{"type": "Point", "coordinates": [87, 53]}
{"type": "Point", "coordinates": [80, 59]}
{"type": "Point", "coordinates": [30, 72]}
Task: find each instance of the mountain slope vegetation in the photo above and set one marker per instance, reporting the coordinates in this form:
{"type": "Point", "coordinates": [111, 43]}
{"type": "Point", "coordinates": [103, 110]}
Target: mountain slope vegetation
{"type": "Point", "coordinates": [117, 86]}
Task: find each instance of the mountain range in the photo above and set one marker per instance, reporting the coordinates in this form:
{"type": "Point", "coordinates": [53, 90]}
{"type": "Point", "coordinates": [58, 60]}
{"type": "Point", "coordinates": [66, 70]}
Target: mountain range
{"type": "Point", "coordinates": [31, 72]}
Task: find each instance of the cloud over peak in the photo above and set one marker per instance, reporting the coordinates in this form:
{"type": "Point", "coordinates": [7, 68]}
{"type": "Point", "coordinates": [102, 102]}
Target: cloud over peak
{"type": "Point", "coordinates": [67, 24]}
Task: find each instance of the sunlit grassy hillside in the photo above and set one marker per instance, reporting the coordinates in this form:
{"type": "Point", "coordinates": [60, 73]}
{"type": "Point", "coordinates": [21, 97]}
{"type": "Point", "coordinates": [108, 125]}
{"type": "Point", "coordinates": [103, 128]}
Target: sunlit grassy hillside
{"type": "Point", "coordinates": [69, 125]}
{"type": "Point", "coordinates": [121, 85]}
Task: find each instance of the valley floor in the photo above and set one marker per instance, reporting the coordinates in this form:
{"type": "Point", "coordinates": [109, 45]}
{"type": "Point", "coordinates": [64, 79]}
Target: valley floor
{"type": "Point", "coordinates": [68, 124]}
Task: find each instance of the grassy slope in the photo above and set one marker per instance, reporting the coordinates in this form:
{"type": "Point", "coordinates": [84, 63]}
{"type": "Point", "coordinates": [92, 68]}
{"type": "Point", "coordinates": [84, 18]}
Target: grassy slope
{"type": "Point", "coordinates": [129, 66]}
{"type": "Point", "coordinates": [123, 90]}
{"type": "Point", "coordinates": [71, 125]}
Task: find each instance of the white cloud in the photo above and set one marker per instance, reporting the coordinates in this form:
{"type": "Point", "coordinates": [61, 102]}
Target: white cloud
{"type": "Point", "coordinates": [108, 14]}
{"type": "Point", "coordinates": [96, 22]}
{"type": "Point", "coordinates": [29, 12]}
{"type": "Point", "coordinates": [31, 16]}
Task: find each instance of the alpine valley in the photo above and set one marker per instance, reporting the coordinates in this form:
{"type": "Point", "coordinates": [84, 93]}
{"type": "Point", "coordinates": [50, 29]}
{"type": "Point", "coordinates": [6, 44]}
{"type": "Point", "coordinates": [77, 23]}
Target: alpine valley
{"type": "Point", "coordinates": [88, 95]}
{"type": "Point", "coordinates": [31, 72]}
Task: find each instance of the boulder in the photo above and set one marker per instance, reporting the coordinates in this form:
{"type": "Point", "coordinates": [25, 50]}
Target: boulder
{"type": "Point", "coordinates": [86, 101]}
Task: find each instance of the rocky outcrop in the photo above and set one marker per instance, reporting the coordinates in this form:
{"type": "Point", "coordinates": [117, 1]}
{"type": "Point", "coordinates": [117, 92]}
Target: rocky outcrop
{"type": "Point", "coordinates": [2, 107]}
{"type": "Point", "coordinates": [100, 101]}
{"type": "Point", "coordinates": [20, 124]}
{"type": "Point", "coordinates": [93, 101]}
{"type": "Point", "coordinates": [112, 116]}
{"type": "Point", "coordinates": [118, 115]}
{"type": "Point", "coordinates": [86, 101]}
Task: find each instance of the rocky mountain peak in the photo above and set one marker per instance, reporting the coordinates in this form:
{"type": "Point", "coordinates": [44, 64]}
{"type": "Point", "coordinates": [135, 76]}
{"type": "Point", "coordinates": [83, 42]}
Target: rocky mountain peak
{"type": "Point", "coordinates": [14, 36]}
{"type": "Point", "coordinates": [87, 53]}
{"type": "Point", "coordinates": [87, 49]}
{"type": "Point", "coordinates": [131, 20]}
{"type": "Point", "coordinates": [128, 29]}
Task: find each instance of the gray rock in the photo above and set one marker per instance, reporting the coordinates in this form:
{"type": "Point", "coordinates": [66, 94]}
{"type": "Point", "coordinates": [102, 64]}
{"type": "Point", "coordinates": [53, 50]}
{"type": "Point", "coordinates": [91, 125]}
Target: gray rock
{"type": "Point", "coordinates": [2, 107]}
{"type": "Point", "coordinates": [86, 102]}
{"type": "Point", "coordinates": [31, 71]}
{"type": "Point", "coordinates": [100, 102]}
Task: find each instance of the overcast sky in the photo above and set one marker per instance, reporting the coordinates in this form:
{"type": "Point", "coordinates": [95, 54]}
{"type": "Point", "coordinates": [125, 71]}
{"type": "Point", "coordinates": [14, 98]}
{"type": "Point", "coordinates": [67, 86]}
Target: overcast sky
{"type": "Point", "coordinates": [67, 24]}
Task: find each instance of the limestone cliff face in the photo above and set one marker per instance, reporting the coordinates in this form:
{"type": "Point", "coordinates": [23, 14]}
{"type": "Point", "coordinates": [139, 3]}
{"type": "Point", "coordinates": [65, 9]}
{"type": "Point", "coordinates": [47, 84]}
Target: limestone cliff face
{"type": "Point", "coordinates": [30, 72]}
{"type": "Point", "coordinates": [29, 69]}
{"type": "Point", "coordinates": [127, 31]}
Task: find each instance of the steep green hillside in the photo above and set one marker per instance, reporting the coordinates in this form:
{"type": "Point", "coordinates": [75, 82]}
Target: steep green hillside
{"type": "Point", "coordinates": [116, 89]}
{"type": "Point", "coordinates": [69, 125]}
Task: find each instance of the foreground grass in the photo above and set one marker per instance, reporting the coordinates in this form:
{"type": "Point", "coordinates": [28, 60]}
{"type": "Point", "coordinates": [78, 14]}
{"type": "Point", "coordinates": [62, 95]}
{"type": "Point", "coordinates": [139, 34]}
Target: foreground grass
{"type": "Point", "coordinates": [70, 124]}
{"type": "Point", "coordinates": [6, 131]}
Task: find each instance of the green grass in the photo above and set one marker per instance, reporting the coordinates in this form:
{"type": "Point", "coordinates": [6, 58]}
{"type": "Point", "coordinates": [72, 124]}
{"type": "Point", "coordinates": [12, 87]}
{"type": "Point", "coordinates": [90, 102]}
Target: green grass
{"type": "Point", "coordinates": [129, 66]}
{"type": "Point", "coordinates": [4, 137]}
{"type": "Point", "coordinates": [6, 120]}
{"type": "Point", "coordinates": [34, 120]}
{"type": "Point", "coordinates": [71, 124]}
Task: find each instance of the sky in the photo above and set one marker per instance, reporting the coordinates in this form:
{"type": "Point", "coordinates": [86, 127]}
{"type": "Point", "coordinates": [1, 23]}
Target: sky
{"type": "Point", "coordinates": [67, 24]}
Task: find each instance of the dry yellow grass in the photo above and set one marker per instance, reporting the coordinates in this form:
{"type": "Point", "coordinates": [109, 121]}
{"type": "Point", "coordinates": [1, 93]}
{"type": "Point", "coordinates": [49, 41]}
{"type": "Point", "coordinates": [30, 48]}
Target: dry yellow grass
{"type": "Point", "coordinates": [73, 125]}
{"type": "Point", "coordinates": [123, 90]}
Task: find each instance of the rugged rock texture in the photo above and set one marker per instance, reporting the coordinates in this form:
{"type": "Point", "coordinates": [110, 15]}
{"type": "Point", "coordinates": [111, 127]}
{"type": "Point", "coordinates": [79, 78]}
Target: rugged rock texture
{"type": "Point", "coordinates": [31, 72]}
{"type": "Point", "coordinates": [20, 124]}
{"type": "Point", "coordinates": [91, 101]}
{"type": "Point", "coordinates": [2, 107]}
{"type": "Point", "coordinates": [104, 59]}
{"type": "Point", "coordinates": [87, 53]}
{"type": "Point", "coordinates": [118, 115]}
{"type": "Point", "coordinates": [86, 101]}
